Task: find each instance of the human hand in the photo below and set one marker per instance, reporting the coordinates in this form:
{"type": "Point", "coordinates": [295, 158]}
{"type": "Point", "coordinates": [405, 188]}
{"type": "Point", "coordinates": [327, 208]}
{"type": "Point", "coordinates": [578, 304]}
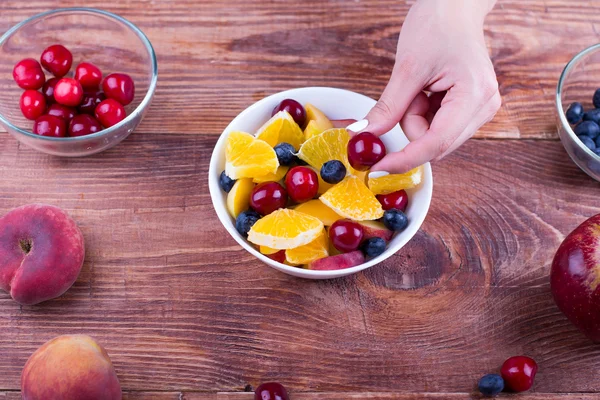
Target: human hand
{"type": "Point", "coordinates": [442, 50]}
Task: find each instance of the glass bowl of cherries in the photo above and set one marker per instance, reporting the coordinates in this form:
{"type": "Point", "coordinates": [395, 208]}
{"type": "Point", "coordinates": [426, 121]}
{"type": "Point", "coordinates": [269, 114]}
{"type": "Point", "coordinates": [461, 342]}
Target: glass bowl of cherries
{"type": "Point", "coordinates": [75, 81]}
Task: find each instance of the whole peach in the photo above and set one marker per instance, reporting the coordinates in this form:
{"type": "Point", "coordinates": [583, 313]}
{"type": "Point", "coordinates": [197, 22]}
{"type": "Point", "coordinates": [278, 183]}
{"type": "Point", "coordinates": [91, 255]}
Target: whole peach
{"type": "Point", "coordinates": [41, 253]}
{"type": "Point", "coordinates": [70, 367]}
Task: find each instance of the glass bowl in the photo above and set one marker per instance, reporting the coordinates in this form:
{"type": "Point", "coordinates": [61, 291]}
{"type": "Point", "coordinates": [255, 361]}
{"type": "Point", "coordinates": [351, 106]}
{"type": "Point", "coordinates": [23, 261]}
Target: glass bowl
{"type": "Point", "coordinates": [578, 82]}
{"type": "Point", "coordinates": [102, 38]}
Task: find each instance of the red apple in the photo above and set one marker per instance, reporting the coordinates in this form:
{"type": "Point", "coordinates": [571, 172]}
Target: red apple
{"type": "Point", "coordinates": [41, 253]}
{"type": "Point", "coordinates": [575, 277]}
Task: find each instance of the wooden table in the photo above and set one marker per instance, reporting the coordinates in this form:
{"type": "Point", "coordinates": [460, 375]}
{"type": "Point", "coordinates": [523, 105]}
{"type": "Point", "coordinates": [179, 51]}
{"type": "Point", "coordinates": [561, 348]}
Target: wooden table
{"type": "Point", "coordinates": [185, 313]}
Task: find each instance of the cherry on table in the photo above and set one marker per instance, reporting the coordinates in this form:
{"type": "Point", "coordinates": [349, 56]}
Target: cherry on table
{"type": "Point", "coordinates": [49, 125]}
{"type": "Point", "coordinates": [88, 75]}
{"type": "Point", "coordinates": [119, 87]}
{"type": "Point", "coordinates": [57, 60]}
{"type": "Point", "coordinates": [110, 112]}
{"type": "Point", "coordinates": [346, 235]}
{"type": "Point", "coordinates": [60, 111]}
{"type": "Point", "coordinates": [293, 108]}
{"type": "Point", "coordinates": [268, 197]}
{"type": "Point", "coordinates": [68, 92]}
{"type": "Point", "coordinates": [365, 150]}
{"type": "Point", "coordinates": [302, 184]}
{"type": "Point", "coordinates": [48, 90]}
{"type": "Point", "coordinates": [271, 391]}
{"type": "Point", "coordinates": [90, 101]}
{"type": "Point", "coordinates": [32, 104]}
{"type": "Point", "coordinates": [84, 124]}
{"type": "Point", "coordinates": [397, 200]}
{"type": "Point", "coordinates": [518, 373]}
{"type": "Point", "coordinates": [28, 74]}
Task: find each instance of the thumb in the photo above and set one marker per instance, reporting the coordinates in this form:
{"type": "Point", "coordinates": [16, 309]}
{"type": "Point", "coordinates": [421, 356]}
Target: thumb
{"type": "Point", "coordinates": [403, 87]}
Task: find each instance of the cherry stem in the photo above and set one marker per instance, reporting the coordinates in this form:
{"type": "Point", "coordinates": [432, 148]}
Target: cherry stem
{"type": "Point", "coordinates": [25, 245]}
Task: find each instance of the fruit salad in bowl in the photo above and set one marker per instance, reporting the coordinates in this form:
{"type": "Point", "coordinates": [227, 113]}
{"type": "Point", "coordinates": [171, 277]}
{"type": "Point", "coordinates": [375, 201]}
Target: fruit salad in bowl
{"type": "Point", "coordinates": [296, 191]}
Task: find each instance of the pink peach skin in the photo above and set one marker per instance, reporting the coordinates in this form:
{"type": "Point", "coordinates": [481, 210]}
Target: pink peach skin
{"type": "Point", "coordinates": [41, 253]}
{"type": "Point", "coordinates": [71, 367]}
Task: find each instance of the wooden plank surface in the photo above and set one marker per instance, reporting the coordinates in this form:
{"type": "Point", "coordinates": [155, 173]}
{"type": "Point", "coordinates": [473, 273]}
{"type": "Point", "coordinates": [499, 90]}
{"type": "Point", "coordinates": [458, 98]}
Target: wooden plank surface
{"type": "Point", "coordinates": [217, 57]}
{"type": "Point", "coordinates": [180, 307]}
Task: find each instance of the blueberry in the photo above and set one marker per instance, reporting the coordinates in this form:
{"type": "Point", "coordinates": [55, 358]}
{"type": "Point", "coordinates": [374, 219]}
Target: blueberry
{"type": "Point", "coordinates": [285, 154]}
{"type": "Point", "coordinates": [597, 151]}
{"type": "Point", "coordinates": [596, 98]}
{"type": "Point", "coordinates": [395, 220]}
{"type": "Point", "coordinates": [245, 221]}
{"type": "Point", "coordinates": [226, 182]}
{"type": "Point", "coordinates": [373, 247]}
{"type": "Point", "coordinates": [598, 142]}
{"type": "Point", "coordinates": [588, 142]}
{"type": "Point", "coordinates": [491, 385]}
{"type": "Point", "coordinates": [333, 171]}
{"type": "Point", "coordinates": [574, 113]}
{"type": "Point", "coordinates": [592, 115]}
{"type": "Point", "coordinates": [588, 128]}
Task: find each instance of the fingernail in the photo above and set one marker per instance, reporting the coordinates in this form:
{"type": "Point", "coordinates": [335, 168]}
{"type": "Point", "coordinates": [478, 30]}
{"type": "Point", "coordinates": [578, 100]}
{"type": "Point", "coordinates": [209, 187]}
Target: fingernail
{"type": "Point", "coordinates": [358, 125]}
{"type": "Point", "coordinates": [378, 174]}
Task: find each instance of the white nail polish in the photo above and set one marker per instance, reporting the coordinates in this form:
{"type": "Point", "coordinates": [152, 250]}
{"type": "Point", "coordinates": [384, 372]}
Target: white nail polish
{"type": "Point", "coordinates": [378, 174]}
{"type": "Point", "coordinates": [358, 125]}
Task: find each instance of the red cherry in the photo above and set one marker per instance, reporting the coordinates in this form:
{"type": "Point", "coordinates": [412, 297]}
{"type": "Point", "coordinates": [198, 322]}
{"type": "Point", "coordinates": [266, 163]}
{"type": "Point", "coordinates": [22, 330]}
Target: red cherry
{"type": "Point", "coordinates": [68, 92]}
{"type": "Point", "coordinates": [110, 112]}
{"type": "Point", "coordinates": [119, 87]}
{"type": "Point", "coordinates": [302, 184]}
{"type": "Point", "coordinates": [90, 102]}
{"type": "Point", "coordinates": [28, 74]}
{"type": "Point", "coordinates": [294, 108]}
{"type": "Point", "coordinates": [48, 90]}
{"type": "Point", "coordinates": [268, 197]}
{"type": "Point", "coordinates": [88, 75]}
{"type": "Point", "coordinates": [365, 150]}
{"type": "Point", "coordinates": [49, 125]}
{"type": "Point", "coordinates": [84, 124]}
{"type": "Point", "coordinates": [57, 60]}
{"type": "Point", "coordinates": [63, 112]}
{"type": "Point", "coordinates": [518, 373]}
{"type": "Point", "coordinates": [397, 200]}
{"type": "Point", "coordinates": [33, 104]}
{"type": "Point", "coordinates": [346, 235]}
{"type": "Point", "coordinates": [271, 391]}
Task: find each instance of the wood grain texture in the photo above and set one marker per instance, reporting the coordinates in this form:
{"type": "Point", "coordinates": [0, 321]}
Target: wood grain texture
{"type": "Point", "coordinates": [180, 307]}
{"type": "Point", "coordinates": [218, 57]}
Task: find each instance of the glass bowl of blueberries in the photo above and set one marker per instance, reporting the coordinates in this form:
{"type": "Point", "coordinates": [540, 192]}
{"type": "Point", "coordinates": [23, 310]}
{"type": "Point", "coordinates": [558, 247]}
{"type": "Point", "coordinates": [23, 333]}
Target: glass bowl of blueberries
{"type": "Point", "coordinates": [578, 109]}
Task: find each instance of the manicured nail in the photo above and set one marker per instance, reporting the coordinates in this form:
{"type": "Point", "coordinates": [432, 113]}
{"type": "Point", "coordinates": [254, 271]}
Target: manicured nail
{"type": "Point", "coordinates": [358, 125]}
{"type": "Point", "coordinates": [378, 174]}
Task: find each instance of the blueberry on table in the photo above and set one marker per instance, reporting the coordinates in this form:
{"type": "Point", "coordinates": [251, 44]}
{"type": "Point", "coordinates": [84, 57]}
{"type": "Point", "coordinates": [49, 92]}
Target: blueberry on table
{"type": "Point", "coordinates": [491, 385]}
{"type": "Point", "coordinates": [596, 98]}
{"type": "Point", "coordinates": [395, 220]}
{"type": "Point", "coordinates": [245, 221]}
{"type": "Point", "coordinates": [285, 154]}
{"type": "Point", "coordinates": [373, 247]}
{"type": "Point", "coordinates": [226, 182]}
{"type": "Point", "coordinates": [592, 115]}
{"type": "Point", "coordinates": [574, 113]}
{"type": "Point", "coordinates": [588, 128]}
{"type": "Point", "coordinates": [588, 142]}
{"type": "Point", "coordinates": [333, 171]}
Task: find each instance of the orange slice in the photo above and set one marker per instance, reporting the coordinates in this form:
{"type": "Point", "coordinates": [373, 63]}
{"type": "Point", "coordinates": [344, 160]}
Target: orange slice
{"type": "Point", "coordinates": [281, 128]}
{"type": "Point", "coordinates": [285, 229]}
{"type": "Point", "coordinates": [319, 210]}
{"type": "Point", "coordinates": [318, 248]}
{"type": "Point", "coordinates": [329, 145]}
{"type": "Point", "coordinates": [248, 157]}
{"type": "Point", "coordinates": [276, 177]}
{"type": "Point", "coordinates": [394, 182]}
{"type": "Point", "coordinates": [267, 250]}
{"type": "Point", "coordinates": [352, 199]}
{"type": "Point", "coordinates": [238, 198]}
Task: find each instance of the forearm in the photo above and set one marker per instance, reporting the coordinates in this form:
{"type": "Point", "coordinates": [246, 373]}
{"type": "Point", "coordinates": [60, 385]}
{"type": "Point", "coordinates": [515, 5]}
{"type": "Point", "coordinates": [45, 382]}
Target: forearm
{"type": "Point", "coordinates": [475, 9]}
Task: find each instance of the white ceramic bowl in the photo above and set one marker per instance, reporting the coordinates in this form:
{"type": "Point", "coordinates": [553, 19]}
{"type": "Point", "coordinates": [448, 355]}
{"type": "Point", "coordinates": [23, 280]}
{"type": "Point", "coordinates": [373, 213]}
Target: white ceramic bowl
{"type": "Point", "coordinates": [336, 104]}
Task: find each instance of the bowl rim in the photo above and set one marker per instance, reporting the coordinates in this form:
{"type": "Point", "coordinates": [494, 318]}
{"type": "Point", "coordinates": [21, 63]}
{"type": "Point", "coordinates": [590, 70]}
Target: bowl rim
{"type": "Point", "coordinates": [559, 89]}
{"type": "Point", "coordinates": [222, 213]}
{"type": "Point", "coordinates": [135, 113]}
